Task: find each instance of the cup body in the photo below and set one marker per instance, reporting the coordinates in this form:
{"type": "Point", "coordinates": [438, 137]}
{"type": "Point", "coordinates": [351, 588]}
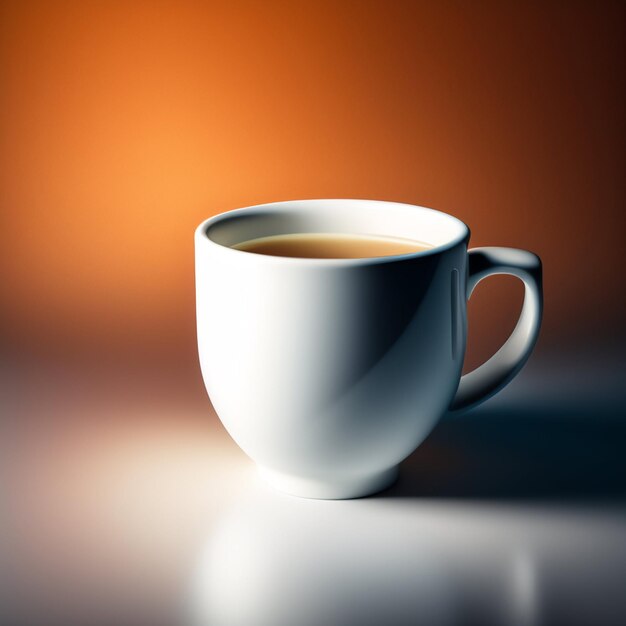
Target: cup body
{"type": "Point", "coordinates": [329, 372]}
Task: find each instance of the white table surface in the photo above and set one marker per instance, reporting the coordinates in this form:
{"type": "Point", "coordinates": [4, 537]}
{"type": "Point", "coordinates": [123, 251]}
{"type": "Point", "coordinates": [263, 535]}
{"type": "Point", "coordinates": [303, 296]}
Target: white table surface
{"type": "Point", "coordinates": [138, 509]}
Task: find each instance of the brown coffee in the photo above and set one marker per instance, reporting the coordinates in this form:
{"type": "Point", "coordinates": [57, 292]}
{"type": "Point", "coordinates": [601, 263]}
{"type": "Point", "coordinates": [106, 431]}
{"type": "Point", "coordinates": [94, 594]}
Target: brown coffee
{"type": "Point", "coordinates": [331, 246]}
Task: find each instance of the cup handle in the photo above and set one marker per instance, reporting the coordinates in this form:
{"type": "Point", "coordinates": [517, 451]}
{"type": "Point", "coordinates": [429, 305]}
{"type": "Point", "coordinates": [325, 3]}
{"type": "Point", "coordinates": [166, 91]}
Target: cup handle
{"type": "Point", "coordinates": [502, 367]}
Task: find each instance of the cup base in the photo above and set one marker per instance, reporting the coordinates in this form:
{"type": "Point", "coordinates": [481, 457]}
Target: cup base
{"type": "Point", "coordinates": [329, 490]}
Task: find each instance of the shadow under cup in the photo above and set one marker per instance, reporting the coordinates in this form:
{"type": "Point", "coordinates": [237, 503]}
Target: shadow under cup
{"type": "Point", "coordinates": [329, 372]}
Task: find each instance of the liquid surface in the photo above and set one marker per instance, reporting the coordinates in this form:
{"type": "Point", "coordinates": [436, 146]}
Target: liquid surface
{"type": "Point", "coordinates": [331, 246]}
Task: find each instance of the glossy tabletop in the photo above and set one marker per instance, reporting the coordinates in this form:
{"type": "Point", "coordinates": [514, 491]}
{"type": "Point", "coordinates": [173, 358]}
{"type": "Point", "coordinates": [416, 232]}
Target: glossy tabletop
{"type": "Point", "coordinates": [128, 504]}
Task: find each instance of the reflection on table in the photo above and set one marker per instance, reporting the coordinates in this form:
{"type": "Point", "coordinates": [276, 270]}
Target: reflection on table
{"type": "Point", "coordinates": [273, 560]}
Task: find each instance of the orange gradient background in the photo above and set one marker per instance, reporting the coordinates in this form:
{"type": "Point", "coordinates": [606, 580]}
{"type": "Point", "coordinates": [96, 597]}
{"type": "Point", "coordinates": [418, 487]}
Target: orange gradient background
{"type": "Point", "coordinates": [124, 124]}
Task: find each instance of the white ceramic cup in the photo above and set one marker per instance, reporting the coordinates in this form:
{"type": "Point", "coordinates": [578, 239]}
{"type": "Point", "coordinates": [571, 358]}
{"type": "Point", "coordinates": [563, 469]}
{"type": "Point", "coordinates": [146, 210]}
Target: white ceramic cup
{"type": "Point", "coordinates": [329, 372]}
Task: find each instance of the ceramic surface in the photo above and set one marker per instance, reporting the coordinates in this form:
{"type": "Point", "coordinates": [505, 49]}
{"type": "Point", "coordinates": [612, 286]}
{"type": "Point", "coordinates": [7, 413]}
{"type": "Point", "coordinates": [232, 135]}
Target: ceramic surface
{"type": "Point", "coordinates": [329, 372]}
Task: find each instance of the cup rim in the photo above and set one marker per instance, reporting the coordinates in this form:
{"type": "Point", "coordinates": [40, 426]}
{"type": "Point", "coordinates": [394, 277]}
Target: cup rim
{"type": "Point", "coordinates": [201, 234]}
